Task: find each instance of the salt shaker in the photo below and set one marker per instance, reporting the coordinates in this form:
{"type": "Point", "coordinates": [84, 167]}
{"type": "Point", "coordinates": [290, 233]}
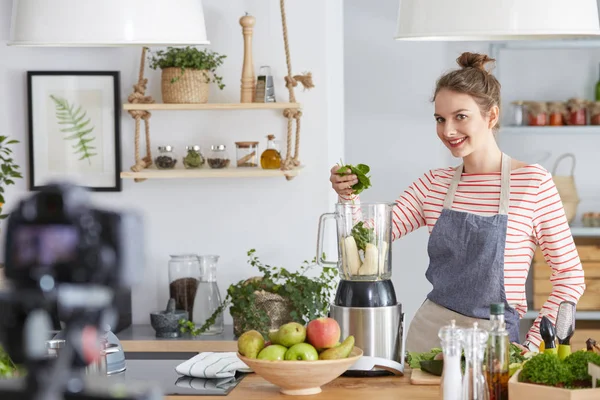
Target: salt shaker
{"type": "Point", "coordinates": [474, 383]}
{"type": "Point", "coordinates": [451, 340]}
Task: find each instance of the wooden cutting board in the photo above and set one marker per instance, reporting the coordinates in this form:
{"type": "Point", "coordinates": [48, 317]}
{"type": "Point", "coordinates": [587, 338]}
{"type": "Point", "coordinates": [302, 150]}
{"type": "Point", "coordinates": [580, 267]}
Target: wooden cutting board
{"type": "Point", "coordinates": [418, 377]}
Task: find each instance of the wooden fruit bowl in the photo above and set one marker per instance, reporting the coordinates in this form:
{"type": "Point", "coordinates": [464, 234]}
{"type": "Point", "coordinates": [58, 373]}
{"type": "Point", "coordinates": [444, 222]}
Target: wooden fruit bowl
{"type": "Point", "coordinates": [301, 377]}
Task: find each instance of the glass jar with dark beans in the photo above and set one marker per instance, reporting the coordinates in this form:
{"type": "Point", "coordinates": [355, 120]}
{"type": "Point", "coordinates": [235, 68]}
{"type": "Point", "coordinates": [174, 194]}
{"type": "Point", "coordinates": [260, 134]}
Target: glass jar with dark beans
{"type": "Point", "coordinates": [218, 157]}
{"type": "Point", "coordinates": [166, 159]}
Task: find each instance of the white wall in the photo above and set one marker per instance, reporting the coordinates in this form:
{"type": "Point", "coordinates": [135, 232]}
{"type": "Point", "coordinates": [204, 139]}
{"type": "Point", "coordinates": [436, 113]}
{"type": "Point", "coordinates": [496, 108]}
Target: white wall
{"type": "Point", "coordinates": [221, 216]}
{"type": "Point", "coordinates": [390, 124]}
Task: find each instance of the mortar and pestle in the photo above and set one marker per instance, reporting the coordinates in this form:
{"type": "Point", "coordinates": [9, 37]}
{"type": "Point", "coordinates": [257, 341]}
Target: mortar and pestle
{"type": "Point", "coordinates": [166, 323]}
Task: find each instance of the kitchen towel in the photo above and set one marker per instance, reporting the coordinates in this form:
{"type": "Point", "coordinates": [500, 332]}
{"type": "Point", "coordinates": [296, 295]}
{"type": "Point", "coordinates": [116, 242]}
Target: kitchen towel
{"type": "Point", "coordinates": [212, 365]}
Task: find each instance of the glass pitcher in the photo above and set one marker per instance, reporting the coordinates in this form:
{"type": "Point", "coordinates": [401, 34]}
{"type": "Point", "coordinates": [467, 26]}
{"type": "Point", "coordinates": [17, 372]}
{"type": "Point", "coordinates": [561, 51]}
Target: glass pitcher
{"type": "Point", "coordinates": [364, 234]}
{"type": "Point", "coordinates": [208, 297]}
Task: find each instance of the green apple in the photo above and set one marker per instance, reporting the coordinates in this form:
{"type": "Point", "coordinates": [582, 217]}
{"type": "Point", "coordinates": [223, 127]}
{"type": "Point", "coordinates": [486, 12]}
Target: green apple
{"type": "Point", "coordinates": [272, 352]}
{"type": "Point", "coordinates": [302, 351]}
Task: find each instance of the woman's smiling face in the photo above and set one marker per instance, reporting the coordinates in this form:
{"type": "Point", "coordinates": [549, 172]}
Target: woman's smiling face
{"type": "Point", "coordinates": [460, 123]}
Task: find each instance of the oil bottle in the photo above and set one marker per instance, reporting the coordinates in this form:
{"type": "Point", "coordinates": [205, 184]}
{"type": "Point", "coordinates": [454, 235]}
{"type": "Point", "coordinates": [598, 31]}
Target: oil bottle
{"type": "Point", "coordinates": [270, 158]}
{"type": "Point", "coordinates": [498, 354]}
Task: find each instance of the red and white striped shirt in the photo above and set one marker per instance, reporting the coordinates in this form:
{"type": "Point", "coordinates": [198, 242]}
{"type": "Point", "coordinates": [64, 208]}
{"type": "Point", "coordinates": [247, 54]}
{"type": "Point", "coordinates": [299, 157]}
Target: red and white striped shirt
{"type": "Point", "coordinates": [536, 217]}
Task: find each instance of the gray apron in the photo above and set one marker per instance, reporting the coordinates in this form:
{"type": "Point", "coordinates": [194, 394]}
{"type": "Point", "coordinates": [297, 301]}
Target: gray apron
{"type": "Point", "coordinates": [466, 269]}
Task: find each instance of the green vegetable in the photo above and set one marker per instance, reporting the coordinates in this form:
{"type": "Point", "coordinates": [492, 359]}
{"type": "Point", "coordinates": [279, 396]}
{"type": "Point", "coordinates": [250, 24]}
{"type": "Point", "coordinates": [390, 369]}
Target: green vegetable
{"type": "Point", "coordinates": [8, 369]}
{"type": "Point", "coordinates": [578, 365]}
{"type": "Point", "coordinates": [546, 369]}
{"type": "Point", "coordinates": [414, 358]}
{"type": "Point", "coordinates": [434, 367]}
{"type": "Point", "coordinates": [362, 235]}
{"type": "Point", "coordinates": [361, 171]}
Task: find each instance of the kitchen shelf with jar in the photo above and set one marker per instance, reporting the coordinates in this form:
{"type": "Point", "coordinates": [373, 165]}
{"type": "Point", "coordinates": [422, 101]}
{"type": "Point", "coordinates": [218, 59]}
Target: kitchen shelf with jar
{"type": "Point", "coordinates": [210, 106]}
{"type": "Point", "coordinates": [206, 172]}
{"type": "Point", "coordinates": [514, 129]}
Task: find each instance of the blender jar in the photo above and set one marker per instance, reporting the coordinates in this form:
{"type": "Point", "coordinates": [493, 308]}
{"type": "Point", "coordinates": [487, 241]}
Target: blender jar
{"type": "Point", "coordinates": [364, 241]}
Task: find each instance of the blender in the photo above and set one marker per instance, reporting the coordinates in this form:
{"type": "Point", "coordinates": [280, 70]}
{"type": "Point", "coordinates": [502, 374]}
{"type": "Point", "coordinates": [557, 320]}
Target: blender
{"type": "Point", "coordinates": [365, 304]}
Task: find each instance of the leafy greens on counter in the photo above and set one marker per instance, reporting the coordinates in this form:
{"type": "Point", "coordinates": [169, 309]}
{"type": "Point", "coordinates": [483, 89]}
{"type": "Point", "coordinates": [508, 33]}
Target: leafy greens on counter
{"type": "Point", "coordinates": [361, 171]}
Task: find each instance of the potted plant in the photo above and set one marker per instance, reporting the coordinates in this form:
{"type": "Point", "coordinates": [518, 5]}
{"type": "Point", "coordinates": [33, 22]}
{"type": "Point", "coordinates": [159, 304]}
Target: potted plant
{"type": "Point", "coordinates": [273, 299]}
{"type": "Point", "coordinates": [187, 73]}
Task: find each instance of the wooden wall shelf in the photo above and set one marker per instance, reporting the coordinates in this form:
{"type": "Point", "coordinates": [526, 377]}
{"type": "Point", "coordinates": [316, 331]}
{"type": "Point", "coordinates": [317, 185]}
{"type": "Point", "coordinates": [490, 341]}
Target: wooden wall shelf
{"type": "Point", "coordinates": [206, 172]}
{"type": "Point", "coordinates": [211, 106]}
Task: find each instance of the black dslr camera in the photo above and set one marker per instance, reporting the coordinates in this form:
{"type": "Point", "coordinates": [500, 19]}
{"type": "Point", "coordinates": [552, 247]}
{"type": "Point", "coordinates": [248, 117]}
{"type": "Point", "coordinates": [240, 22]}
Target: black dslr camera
{"type": "Point", "coordinates": [62, 255]}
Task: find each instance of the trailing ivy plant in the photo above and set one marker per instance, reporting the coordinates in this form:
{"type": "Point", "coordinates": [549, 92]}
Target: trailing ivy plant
{"type": "Point", "coordinates": [309, 297]}
{"type": "Point", "coordinates": [9, 170]}
{"type": "Point", "coordinates": [189, 58]}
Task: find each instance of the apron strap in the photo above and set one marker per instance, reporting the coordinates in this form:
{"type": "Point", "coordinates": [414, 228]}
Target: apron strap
{"type": "Point", "coordinates": [504, 185]}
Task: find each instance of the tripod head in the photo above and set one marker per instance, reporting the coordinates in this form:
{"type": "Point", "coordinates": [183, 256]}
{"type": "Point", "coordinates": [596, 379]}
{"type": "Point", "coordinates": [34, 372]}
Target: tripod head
{"type": "Point", "coordinates": [63, 255]}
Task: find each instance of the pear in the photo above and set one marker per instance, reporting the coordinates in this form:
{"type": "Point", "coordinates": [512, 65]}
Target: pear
{"type": "Point", "coordinates": [250, 343]}
{"type": "Point", "coordinates": [338, 352]}
{"type": "Point", "coordinates": [288, 334]}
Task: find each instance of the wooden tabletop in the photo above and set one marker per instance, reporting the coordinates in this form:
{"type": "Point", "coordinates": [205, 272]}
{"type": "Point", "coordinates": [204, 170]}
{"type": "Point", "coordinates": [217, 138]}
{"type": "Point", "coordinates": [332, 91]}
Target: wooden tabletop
{"type": "Point", "coordinates": [253, 387]}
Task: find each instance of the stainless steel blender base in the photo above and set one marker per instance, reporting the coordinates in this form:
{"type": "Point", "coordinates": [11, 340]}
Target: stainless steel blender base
{"type": "Point", "coordinates": [378, 331]}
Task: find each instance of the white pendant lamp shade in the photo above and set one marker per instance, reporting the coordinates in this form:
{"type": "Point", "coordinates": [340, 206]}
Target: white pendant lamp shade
{"type": "Point", "coordinates": [107, 23]}
{"type": "Point", "coordinates": [497, 19]}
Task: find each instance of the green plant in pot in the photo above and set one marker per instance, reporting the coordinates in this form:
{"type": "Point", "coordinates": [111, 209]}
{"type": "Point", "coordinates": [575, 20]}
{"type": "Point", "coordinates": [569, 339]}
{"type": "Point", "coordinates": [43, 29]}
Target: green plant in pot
{"type": "Point", "coordinates": [187, 73]}
{"type": "Point", "coordinates": [277, 297]}
{"type": "Point", "coordinates": [9, 171]}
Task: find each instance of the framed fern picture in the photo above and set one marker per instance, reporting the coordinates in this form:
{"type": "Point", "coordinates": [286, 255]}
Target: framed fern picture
{"type": "Point", "coordinates": [74, 129]}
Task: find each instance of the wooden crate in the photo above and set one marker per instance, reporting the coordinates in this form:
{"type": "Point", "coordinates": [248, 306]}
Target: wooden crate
{"type": "Point", "coordinates": [590, 260]}
{"type": "Point", "coordinates": [527, 391]}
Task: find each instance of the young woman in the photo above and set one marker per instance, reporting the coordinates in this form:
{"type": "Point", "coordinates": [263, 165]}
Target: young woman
{"type": "Point", "coordinates": [485, 218]}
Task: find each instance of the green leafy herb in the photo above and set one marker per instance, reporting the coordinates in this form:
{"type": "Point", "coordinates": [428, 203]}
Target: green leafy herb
{"type": "Point", "coordinates": [189, 57]}
{"type": "Point", "coordinates": [8, 369]}
{"type": "Point", "coordinates": [310, 297]}
{"type": "Point", "coordinates": [78, 127]}
{"type": "Point", "coordinates": [9, 170]}
{"type": "Point", "coordinates": [546, 369]}
{"type": "Point", "coordinates": [414, 358]}
{"type": "Point", "coordinates": [361, 171]}
{"type": "Point", "coordinates": [362, 235]}
{"type": "Point", "coordinates": [577, 363]}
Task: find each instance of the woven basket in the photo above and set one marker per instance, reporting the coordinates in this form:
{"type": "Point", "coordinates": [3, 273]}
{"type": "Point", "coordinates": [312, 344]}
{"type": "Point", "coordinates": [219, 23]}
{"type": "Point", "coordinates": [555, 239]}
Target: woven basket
{"type": "Point", "coordinates": [566, 188]}
{"type": "Point", "coordinates": [191, 86]}
{"type": "Point", "coordinates": [277, 308]}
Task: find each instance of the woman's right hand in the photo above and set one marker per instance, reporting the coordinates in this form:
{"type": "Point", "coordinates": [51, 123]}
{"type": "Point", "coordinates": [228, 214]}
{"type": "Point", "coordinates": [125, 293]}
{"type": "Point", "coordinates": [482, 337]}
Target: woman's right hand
{"type": "Point", "coordinates": [342, 184]}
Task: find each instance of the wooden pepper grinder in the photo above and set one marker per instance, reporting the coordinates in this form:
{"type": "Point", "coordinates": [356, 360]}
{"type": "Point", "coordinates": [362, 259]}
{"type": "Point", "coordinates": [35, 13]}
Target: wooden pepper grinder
{"type": "Point", "coordinates": [248, 80]}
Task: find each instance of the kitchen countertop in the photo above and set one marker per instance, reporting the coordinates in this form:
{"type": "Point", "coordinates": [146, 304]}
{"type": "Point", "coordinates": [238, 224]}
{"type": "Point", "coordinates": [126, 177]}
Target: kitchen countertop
{"type": "Point", "coordinates": [142, 338]}
{"type": "Point", "coordinates": [253, 387]}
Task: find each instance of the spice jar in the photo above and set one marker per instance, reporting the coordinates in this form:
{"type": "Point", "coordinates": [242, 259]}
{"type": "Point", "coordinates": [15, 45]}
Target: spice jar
{"type": "Point", "coordinates": [518, 108]}
{"type": "Point", "coordinates": [594, 111]}
{"type": "Point", "coordinates": [576, 112]}
{"type": "Point", "coordinates": [184, 275]}
{"type": "Point", "coordinates": [166, 158]}
{"type": "Point", "coordinates": [557, 111]}
{"type": "Point", "coordinates": [247, 154]}
{"type": "Point", "coordinates": [193, 158]}
{"type": "Point", "coordinates": [218, 156]}
{"type": "Point", "coordinates": [537, 113]}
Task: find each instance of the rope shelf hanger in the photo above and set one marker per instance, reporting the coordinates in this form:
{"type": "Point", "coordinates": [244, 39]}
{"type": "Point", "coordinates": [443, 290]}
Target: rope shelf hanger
{"type": "Point", "coordinates": [291, 81]}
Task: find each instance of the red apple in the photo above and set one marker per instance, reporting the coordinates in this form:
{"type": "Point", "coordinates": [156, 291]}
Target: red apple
{"type": "Point", "coordinates": [323, 333]}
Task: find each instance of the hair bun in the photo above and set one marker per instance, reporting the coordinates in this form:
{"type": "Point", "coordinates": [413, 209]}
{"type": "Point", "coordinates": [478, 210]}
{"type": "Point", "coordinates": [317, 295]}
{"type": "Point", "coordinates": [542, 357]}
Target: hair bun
{"type": "Point", "coordinates": [474, 60]}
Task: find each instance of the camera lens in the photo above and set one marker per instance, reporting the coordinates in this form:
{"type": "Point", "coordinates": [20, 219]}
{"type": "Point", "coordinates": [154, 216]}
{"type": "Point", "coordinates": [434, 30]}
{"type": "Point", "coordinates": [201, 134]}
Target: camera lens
{"type": "Point", "coordinates": [54, 204]}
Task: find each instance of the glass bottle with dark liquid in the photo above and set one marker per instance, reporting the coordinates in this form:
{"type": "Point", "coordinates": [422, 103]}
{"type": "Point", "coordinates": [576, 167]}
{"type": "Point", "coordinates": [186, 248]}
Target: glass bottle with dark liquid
{"type": "Point", "coordinates": [498, 354]}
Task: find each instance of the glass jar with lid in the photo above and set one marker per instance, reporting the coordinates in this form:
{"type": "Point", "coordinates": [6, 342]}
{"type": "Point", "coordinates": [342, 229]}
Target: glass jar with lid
{"type": "Point", "coordinates": [218, 156]}
{"type": "Point", "coordinates": [184, 275]}
{"type": "Point", "coordinates": [166, 159]}
{"type": "Point", "coordinates": [247, 154]}
{"type": "Point", "coordinates": [193, 158]}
